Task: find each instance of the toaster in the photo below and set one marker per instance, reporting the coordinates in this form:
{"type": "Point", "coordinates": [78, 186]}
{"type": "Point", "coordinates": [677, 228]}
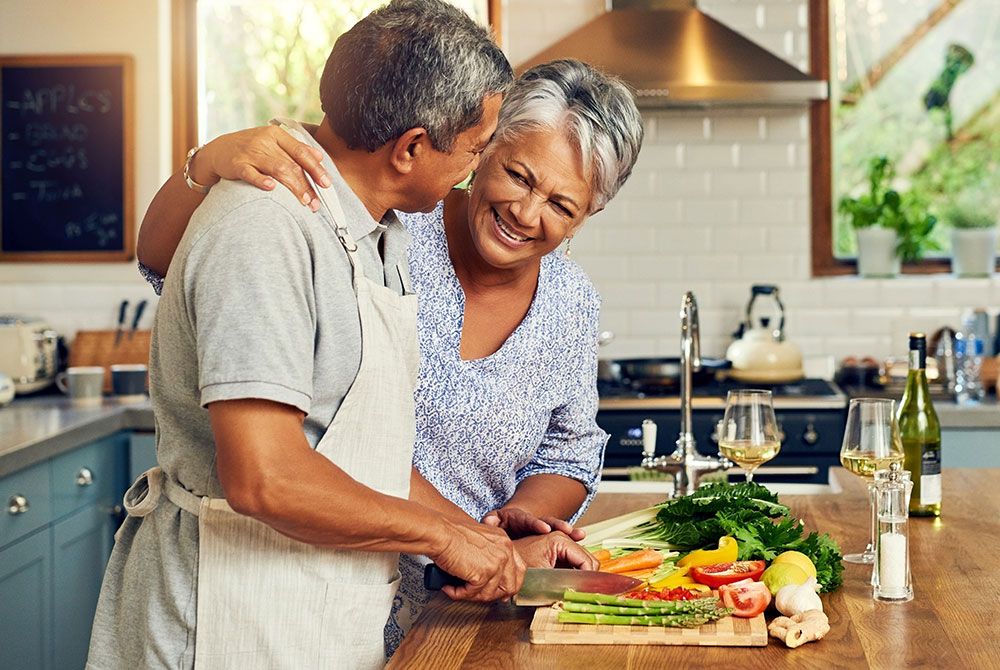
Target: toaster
{"type": "Point", "coordinates": [28, 352]}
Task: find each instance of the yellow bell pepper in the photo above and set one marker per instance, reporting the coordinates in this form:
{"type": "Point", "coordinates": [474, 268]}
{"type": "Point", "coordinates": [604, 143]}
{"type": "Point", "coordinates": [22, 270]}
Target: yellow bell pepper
{"type": "Point", "coordinates": [679, 578]}
{"type": "Point", "coordinates": [726, 553]}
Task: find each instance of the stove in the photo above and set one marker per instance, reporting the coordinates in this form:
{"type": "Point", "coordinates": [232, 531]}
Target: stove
{"type": "Point", "coordinates": [811, 413]}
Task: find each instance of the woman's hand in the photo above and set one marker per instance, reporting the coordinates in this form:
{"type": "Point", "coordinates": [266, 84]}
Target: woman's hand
{"type": "Point", "coordinates": [519, 523]}
{"type": "Point", "coordinates": [555, 550]}
{"type": "Point", "coordinates": [262, 157]}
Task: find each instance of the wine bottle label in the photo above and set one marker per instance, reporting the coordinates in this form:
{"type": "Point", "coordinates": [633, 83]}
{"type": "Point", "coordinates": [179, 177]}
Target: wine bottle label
{"type": "Point", "coordinates": [930, 490]}
{"type": "Point", "coordinates": [930, 462]}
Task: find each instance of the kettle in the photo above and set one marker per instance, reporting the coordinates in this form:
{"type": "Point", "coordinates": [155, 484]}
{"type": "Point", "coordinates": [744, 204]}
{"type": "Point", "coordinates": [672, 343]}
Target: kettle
{"type": "Point", "coordinates": [761, 353]}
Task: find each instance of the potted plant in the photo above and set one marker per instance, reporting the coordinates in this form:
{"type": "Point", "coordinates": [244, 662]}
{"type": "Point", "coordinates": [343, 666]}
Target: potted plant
{"type": "Point", "coordinates": [972, 216]}
{"type": "Point", "coordinates": [890, 226]}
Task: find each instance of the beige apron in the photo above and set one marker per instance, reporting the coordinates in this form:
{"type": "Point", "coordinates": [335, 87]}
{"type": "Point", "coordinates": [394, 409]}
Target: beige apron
{"type": "Point", "coordinates": [267, 601]}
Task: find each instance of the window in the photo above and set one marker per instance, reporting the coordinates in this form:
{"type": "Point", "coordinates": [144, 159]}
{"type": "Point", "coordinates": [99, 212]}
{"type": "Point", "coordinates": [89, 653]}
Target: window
{"type": "Point", "coordinates": [238, 63]}
{"type": "Point", "coordinates": [918, 82]}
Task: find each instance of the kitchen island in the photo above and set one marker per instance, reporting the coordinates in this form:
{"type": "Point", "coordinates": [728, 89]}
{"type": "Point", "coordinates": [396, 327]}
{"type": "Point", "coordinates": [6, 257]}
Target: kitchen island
{"type": "Point", "coordinates": [949, 624]}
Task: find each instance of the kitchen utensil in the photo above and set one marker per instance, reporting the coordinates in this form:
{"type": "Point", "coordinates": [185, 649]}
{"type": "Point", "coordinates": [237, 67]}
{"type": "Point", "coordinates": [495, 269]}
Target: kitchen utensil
{"type": "Point", "coordinates": [663, 373]}
{"type": "Point", "coordinates": [83, 385]}
{"type": "Point", "coordinates": [726, 632]}
{"type": "Point", "coordinates": [128, 382]}
{"type": "Point", "coordinates": [28, 352]}
{"type": "Point", "coordinates": [120, 329]}
{"type": "Point", "coordinates": [140, 308]}
{"type": "Point", "coordinates": [544, 586]}
{"type": "Point", "coordinates": [761, 353]}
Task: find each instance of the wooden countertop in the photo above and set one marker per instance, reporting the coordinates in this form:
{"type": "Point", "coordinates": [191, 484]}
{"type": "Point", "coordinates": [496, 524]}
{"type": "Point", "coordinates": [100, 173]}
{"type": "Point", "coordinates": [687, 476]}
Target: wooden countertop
{"type": "Point", "coordinates": [950, 623]}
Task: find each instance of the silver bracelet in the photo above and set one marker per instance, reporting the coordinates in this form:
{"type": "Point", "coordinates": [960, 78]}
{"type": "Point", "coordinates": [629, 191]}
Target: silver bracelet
{"type": "Point", "coordinates": [191, 183]}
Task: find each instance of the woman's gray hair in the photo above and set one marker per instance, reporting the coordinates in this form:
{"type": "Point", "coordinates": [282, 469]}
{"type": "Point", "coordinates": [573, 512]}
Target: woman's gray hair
{"type": "Point", "coordinates": [596, 109]}
{"type": "Point", "coordinates": [411, 64]}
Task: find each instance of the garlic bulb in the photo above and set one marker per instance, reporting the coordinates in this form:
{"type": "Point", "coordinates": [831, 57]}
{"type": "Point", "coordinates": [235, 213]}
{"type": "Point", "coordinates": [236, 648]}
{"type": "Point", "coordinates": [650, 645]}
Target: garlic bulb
{"type": "Point", "coordinates": [791, 600]}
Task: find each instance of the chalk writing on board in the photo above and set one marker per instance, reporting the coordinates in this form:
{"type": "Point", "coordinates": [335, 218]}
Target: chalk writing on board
{"type": "Point", "coordinates": [62, 158]}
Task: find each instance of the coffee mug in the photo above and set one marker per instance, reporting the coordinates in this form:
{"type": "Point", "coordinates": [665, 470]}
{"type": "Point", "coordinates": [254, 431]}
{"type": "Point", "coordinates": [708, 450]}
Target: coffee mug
{"type": "Point", "coordinates": [128, 382]}
{"type": "Point", "coordinates": [83, 385]}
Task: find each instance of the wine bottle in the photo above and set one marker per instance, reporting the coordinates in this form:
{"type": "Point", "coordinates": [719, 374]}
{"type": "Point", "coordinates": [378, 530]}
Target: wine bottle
{"type": "Point", "coordinates": [921, 434]}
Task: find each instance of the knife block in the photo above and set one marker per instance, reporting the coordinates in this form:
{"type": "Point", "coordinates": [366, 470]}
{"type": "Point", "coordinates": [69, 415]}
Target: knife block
{"type": "Point", "coordinates": [98, 348]}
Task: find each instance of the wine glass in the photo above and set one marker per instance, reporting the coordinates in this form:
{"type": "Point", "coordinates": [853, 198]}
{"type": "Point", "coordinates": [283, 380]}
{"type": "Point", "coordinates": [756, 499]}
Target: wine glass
{"type": "Point", "coordinates": [748, 433]}
{"type": "Point", "coordinates": [871, 442]}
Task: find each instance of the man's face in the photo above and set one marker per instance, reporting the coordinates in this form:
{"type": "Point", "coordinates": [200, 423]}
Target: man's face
{"type": "Point", "coordinates": [439, 171]}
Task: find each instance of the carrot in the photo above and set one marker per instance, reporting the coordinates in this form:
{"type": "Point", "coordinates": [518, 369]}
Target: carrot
{"type": "Point", "coordinates": [602, 555]}
{"type": "Point", "coordinates": [643, 574]}
{"type": "Point", "coordinates": [638, 560]}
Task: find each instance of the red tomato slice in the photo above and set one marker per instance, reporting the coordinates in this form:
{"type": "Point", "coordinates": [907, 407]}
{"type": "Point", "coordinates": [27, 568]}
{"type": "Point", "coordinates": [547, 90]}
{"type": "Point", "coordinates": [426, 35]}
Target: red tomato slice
{"type": "Point", "coordinates": [727, 573]}
{"type": "Point", "coordinates": [747, 598]}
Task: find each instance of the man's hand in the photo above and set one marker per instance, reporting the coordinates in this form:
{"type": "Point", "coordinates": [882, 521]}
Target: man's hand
{"type": "Point", "coordinates": [518, 523]}
{"type": "Point", "coordinates": [484, 558]}
{"type": "Point", "coordinates": [555, 550]}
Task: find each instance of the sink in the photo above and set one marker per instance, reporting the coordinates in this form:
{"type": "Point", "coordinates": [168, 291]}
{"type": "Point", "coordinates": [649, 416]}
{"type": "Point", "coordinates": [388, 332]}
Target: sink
{"type": "Point", "coordinates": [665, 487]}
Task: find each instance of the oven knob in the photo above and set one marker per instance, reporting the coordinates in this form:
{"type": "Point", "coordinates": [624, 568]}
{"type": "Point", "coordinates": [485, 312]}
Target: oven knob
{"type": "Point", "coordinates": [810, 436]}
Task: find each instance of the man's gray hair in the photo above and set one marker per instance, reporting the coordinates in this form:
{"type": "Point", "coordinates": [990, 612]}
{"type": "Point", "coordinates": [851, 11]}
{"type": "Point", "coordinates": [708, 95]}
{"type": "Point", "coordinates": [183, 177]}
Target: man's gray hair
{"type": "Point", "coordinates": [411, 64]}
{"type": "Point", "coordinates": [597, 110]}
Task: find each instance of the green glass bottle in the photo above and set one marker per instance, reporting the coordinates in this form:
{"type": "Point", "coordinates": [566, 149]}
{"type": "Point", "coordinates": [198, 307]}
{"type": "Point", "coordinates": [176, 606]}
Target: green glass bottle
{"type": "Point", "coordinates": [921, 434]}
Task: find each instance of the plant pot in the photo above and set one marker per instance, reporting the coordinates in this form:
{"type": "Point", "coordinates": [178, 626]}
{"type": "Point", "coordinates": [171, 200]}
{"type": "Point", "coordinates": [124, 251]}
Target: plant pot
{"type": "Point", "coordinates": [877, 252]}
{"type": "Point", "coordinates": [973, 251]}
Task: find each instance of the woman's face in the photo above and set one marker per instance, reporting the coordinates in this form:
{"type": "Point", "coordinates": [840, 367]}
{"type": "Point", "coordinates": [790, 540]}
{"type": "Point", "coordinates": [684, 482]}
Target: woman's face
{"type": "Point", "coordinates": [528, 196]}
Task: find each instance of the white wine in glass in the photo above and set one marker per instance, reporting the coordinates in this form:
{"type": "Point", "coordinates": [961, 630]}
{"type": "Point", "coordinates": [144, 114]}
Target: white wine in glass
{"type": "Point", "coordinates": [871, 443]}
{"type": "Point", "coordinates": [748, 433]}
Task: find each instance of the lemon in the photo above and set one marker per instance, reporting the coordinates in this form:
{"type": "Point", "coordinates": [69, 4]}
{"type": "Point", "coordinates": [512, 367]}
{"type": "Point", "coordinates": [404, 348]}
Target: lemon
{"type": "Point", "coordinates": [799, 559]}
{"type": "Point", "coordinates": [783, 574]}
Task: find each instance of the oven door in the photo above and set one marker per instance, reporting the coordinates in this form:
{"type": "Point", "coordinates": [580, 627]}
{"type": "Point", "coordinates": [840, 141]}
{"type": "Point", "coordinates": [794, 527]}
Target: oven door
{"type": "Point", "coordinates": [811, 444]}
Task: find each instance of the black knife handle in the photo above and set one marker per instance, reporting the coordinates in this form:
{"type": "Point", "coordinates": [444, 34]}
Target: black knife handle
{"type": "Point", "coordinates": [435, 578]}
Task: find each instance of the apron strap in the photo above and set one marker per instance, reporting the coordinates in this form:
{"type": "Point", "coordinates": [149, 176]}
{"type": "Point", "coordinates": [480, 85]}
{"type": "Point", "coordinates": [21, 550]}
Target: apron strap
{"type": "Point", "coordinates": [144, 494]}
{"type": "Point", "coordinates": [330, 201]}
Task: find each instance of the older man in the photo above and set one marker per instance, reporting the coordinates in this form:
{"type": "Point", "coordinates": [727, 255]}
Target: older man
{"type": "Point", "coordinates": [282, 373]}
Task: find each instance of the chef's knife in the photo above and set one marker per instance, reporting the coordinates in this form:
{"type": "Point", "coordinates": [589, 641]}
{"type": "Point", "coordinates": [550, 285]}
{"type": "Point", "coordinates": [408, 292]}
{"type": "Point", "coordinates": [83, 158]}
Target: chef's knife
{"type": "Point", "coordinates": [122, 309]}
{"type": "Point", "coordinates": [138, 317]}
{"type": "Point", "coordinates": [544, 586]}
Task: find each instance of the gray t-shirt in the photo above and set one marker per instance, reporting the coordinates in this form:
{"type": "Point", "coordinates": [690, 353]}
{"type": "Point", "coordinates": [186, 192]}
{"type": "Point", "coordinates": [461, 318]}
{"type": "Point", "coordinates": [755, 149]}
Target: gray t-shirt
{"type": "Point", "coordinates": [258, 303]}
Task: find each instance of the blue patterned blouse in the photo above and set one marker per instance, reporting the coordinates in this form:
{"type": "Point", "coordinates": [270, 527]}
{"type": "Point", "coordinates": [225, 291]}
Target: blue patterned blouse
{"type": "Point", "coordinates": [485, 425]}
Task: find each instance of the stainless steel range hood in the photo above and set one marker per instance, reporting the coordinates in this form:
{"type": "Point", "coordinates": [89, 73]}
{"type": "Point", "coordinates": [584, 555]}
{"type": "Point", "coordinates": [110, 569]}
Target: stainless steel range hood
{"type": "Point", "coordinates": [672, 55]}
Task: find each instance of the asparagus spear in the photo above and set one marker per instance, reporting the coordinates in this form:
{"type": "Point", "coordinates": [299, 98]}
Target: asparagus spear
{"type": "Point", "coordinates": [710, 606]}
{"type": "Point", "coordinates": [675, 621]}
{"type": "Point", "coordinates": [668, 606]}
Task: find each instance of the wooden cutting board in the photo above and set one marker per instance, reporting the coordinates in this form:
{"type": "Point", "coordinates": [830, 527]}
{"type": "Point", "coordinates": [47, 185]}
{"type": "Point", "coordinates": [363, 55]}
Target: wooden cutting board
{"type": "Point", "coordinates": [727, 632]}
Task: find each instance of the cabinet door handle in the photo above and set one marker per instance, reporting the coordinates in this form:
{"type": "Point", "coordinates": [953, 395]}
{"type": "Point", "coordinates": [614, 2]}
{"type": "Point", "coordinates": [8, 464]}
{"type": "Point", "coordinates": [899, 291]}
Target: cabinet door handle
{"type": "Point", "coordinates": [84, 477]}
{"type": "Point", "coordinates": [17, 504]}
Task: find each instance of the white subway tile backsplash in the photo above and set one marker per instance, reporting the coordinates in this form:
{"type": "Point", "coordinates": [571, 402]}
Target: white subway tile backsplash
{"type": "Point", "coordinates": [780, 127]}
{"type": "Point", "coordinates": [822, 321]}
{"type": "Point", "coordinates": [788, 182]}
{"type": "Point", "coordinates": [643, 267]}
{"type": "Point", "coordinates": [672, 128]}
{"type": "Point", "coordinates": [712, 156]}
{"type": "Point", "coordinates": [676, 183]}
{"type": "Point", "coordinates": [907, 291]}
{"type": "Point", "coordinates": [964, 292]}
{"type": "Point", "coordinates": [744, 127]}
{"type": "Point", "coordinates": [788, 239]}
{"type": "Point", "coordinates": [712, 266]}
{"type": "Point", "coordinates": [717, 211]}
{"type": "Point", "coordinates": [744, 240]}
{"type": "Point", "coordinates": [767, 269]}
{"type": "Point", "coordinates": [774, 155]}
{"type": "Point", "coordinates": [683, 240]}
{"type": "Point", "coordinates": [768, 211]}
{"type": "Point", "coordinates": [657, 212]}
{"type": "Point", "coordinates": [744, 183]}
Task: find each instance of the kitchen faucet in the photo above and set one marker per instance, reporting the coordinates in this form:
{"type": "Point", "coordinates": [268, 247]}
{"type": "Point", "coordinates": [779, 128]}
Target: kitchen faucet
{"type": "Point", "coordinates": [685, 464]}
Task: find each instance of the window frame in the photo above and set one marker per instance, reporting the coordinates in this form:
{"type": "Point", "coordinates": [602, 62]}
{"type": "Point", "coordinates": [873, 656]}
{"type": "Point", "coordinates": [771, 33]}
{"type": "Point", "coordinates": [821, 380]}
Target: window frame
{"type": "Point", "coordinates": [184, 71]}
{"type": "Point", "coordinates": [824, 263]}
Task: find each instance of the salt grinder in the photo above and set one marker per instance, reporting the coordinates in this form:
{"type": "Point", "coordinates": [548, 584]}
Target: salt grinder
{"type": "Point", "coordinates": [891, 574]}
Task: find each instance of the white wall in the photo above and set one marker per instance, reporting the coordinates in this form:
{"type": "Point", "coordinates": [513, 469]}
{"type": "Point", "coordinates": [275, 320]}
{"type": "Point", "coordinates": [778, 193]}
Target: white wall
{"type": "Point", "coordinates": [76, 296]}
{"type": "Point", "coordinates": [719, 200]}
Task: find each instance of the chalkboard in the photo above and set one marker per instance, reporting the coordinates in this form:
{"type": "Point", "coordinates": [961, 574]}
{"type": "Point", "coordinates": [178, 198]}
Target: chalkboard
{"type": "Point", "coordinates": [66, 146]}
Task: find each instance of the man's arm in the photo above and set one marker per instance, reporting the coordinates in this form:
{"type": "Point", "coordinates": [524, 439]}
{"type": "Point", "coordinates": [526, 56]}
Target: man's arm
{"type": "Point", "coordinates": [269, 471]}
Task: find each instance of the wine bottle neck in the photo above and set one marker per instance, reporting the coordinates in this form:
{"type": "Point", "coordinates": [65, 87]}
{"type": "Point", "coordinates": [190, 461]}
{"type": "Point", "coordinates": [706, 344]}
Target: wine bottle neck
{"type": "Point", "coordinates": [918, 359]}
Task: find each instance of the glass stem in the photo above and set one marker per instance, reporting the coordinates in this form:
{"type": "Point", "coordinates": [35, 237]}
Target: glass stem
{"type": "Point", "coordinates": [749, 474]}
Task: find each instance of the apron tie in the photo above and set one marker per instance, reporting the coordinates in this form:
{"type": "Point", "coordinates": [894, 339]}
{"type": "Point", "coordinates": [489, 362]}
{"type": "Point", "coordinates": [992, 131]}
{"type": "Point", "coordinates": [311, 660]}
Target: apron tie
{"type": "Point", "coordinates": [144, 494]}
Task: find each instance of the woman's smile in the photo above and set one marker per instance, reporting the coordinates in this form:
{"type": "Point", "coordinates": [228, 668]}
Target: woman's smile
{"type": "Point", "coordinates": [507, 234]}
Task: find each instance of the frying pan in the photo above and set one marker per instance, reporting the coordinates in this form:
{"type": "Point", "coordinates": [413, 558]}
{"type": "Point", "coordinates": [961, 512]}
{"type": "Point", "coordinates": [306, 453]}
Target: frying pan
{"type": "Point", "coordinates": [663, 373]}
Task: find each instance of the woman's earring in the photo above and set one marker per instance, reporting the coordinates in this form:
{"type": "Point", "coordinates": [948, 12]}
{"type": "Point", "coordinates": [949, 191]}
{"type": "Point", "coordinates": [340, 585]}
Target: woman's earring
{"type": "Point", "coordinates": [567, 252]}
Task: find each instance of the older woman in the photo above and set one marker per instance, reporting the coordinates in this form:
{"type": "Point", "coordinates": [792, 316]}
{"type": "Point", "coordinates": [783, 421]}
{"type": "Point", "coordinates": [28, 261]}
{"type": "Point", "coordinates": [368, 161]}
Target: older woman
{"type": "Point", "coordinates": [507, 399]}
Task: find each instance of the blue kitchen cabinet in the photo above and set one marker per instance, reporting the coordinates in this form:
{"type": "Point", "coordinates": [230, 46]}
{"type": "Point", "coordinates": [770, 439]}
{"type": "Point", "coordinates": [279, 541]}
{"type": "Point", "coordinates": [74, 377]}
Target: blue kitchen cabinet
{"type": "Point", "coordinates": [26, 603]}
{"type": "Point", "coordinates": [81, 545]}
{"type": "Point", "coordinates": [970, 448]}
{"type": "Point", "coordinates": [53, 552]}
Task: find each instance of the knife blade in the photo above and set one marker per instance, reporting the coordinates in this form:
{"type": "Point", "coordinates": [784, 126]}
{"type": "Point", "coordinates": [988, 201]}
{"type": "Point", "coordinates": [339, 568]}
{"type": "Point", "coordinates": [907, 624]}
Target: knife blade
{"type": "Point", "coordinates": [122, 310]}
{"type": "Point", "coordinates": [544, 586]}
